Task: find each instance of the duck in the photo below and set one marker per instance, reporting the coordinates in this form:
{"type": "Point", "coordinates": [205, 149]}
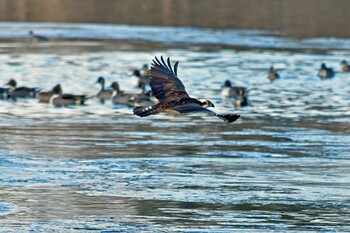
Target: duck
{"type": "Point", "coordinates": [231, 91]}
{"type": "Point", "coordinates": [119, 96]}
{"type": "Point", "coordinates": [172, 95]}
{"type": "Point", "coordinates": [273, 75]}
{"type": "Point", "coordinates": [145, 70]}
{"type": "Point", "coordinates": [145, 98]}
{"type": "Point", "coordinates": [241, 98]}
{"type": "Point", "coordinates": [45, 96]}
{"type": "Point", "coordinates": [325, 72]}
{"type": "Point", "coordinates": [4, 93]}
{"type": "Point", "coordinates": [36, 38]}
{"type": "Point", "coordinates": [129, 99]}
{"type": "Point", "coordinates": [142, 78]}
{"type": "Point", "coordinates": [238, 94]}
{"type": "Point", "coordinates": [20, 92]}
{"type": "Point", "coordinates": [58, 99]}
{"type": "Point", "coordinates": [103, 94]}
{"type": "Point", "coordinates": [345, 67]}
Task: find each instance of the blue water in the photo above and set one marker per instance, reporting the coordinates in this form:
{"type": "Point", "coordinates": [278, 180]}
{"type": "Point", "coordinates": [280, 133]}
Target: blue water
{"type": "Point", "coordinates": [283, 166]}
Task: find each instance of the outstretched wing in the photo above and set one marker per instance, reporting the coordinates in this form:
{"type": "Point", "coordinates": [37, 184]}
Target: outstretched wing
{"type": "Point", "coordinates": [164, 82]}
{"type": "Point", "coordinates": [195, 108]}
{"type": "Point", "coordinates": [190, 108]}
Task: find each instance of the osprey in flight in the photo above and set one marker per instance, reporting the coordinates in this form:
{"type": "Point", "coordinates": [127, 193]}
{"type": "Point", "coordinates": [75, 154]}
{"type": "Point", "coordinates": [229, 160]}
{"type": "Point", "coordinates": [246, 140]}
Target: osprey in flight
{"type": "Point", "coordinates": [172, 96]}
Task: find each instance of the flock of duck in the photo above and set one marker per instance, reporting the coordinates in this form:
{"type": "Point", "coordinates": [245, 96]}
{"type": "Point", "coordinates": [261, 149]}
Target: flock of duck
{"type": "Point", "coordinates": [167, 94]}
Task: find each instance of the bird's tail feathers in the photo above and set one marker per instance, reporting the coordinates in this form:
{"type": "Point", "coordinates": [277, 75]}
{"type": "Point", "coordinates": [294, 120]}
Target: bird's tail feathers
{"type": "Point", "coordinates": [228, 117]}
{"type": "Point", "coordinates": [146, 111]}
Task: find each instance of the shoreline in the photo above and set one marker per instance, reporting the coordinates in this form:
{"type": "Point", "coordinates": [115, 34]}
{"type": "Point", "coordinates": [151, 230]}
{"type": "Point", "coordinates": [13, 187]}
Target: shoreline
{"type": "Point", "coordinates": [297, 18]}
{"type": "Point", "coordinates": [64, 46]}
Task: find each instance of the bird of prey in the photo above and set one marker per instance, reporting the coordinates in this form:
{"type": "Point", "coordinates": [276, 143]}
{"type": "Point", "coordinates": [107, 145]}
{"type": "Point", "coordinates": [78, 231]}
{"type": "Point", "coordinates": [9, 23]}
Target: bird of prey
{"type": "Point", "coordinates": [172, 95]}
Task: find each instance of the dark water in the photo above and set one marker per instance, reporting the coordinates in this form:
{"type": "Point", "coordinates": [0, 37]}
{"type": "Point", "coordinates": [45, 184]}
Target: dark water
{"type": "Point", "coordinates": [283, 166]}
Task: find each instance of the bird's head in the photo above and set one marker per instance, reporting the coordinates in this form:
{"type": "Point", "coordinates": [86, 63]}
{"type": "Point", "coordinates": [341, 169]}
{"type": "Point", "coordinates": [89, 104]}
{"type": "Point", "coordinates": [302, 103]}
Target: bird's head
{"type": "Point", "coordinates": [227, 83]}
{"type": "Point", "coordinates": [100, 80]}
{"type": "Point", "coordinates": [344, 62]}
{"type": "Point", "coordinates": [136, 73]}
{"type": "Point", "coordinates": [57, 89]}
{"type": "Point", "coordinates": [206, 103]}
{"type": "Point", "coordinates": [115, 86]}
{"type": "Point", "coordinates": [12, 83]}
{"type": "Point", "coordinates": [323, 66]}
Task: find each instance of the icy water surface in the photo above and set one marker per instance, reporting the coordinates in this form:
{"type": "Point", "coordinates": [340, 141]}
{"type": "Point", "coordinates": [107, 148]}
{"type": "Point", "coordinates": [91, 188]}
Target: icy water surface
{"type": "Point", "coordinates": [283, 166]}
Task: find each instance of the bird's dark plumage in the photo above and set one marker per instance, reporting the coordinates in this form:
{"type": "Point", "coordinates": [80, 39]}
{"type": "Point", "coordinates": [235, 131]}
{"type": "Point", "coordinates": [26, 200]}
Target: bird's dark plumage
{"type": "Point", "coordinates": [325, 72]}
{"type": "Point", "coordinates": [164, 82]}
{"type": "Point", "coordinates": [172, 95]}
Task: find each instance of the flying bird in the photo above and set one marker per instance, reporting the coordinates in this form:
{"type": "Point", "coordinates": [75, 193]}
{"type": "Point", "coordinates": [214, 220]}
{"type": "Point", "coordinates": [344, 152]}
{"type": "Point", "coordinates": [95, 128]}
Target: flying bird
{"type": "Point", "coordinates": [172, 95]}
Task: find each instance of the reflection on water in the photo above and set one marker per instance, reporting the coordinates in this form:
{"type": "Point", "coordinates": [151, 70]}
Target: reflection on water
{"type": "Point", "coordinates": [282, 167]}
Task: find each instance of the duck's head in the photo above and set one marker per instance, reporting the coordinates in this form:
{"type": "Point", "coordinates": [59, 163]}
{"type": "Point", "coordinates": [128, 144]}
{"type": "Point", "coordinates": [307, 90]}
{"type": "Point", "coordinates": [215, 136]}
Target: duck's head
{"type": "Point", "coordinates": [206, 103]}
{"type": "Point", "coordinates": [137, 73]}
{"type": "Point", "coordinates": [323, 66]}
{"type": "Point", "coordinates": [100, 80]}
{"type": "Point", "coordinates": [240, 91]}
{"type": "Point", "coordinates": [31, 32]}
{"type": "Point", "coordinates": [344, 62]}
{"type": "Point", "coordinates": [115, 86]}
{"type": "Point", "coordinates": [227, 83]}
{"type": "Point", "coordinates": [145, 68]}
{"type": "Point", "coordinates": [12, 83]}
{"type": "Point", "coordinates": [57, 89]}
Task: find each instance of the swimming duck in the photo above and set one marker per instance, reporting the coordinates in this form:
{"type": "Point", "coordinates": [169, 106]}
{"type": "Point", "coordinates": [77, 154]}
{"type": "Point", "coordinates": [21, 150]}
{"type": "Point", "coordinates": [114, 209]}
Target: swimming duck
{"type": "Point", "coordinates": [172, 95]}
{"type": "Point", "coordinates": [144, 98]}
{"type": "Point", "coordinates": [273, 75]}
{"type": "Point", "coordinates": [119, 96]}
{"type": "Point", "coordinates": [130, 99]}
{"type": "Point", "coordinates": [20, 92]}
{"type": "Point", "coordinates": [145, 70]}
{"type": "Point", "coordinates": [103, 94]}
{"type": "Point", "coordinates": [230, 91]}
{"type": "Point", "coordinates": [141, 79]}
{"type": "Point", "coordinates": [238, 94]}
{"type": "Point", "coordinates": [45, 96]}
{"type": "Point", "coordinates": [59, 99]}
{"type": "Point", "coordinates": [345, 67]}
{"type": "Point", "coordinates": [325, 72]}
{"type": "Point", "coordinates": [241, 99]}
{"type": "Point", "coordinates": [4, 93]}
{"type": "Point", "coordinates": [34, 38]}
